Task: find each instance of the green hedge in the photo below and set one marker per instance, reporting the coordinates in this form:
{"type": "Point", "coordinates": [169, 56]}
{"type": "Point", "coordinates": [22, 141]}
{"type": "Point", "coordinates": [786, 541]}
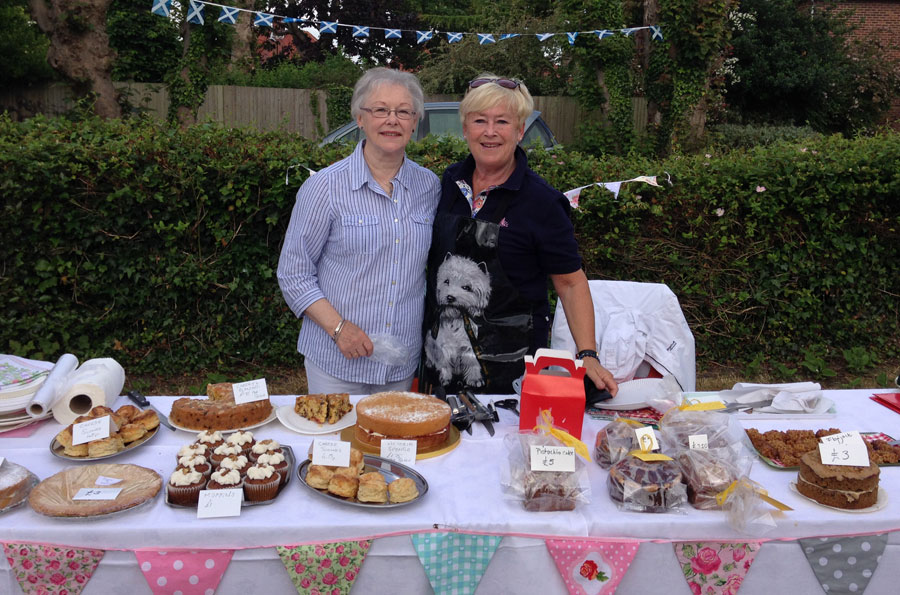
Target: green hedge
{"type": "Point", "coordinates": [159, 246]}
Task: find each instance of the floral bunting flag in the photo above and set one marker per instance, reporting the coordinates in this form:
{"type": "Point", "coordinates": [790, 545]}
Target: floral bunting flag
{"type": "Point", "coordinates": [844, 564]}
{"type": "Point", "coordinates": [455, 562]}
{"type": "Point", "coordinates": [590, 567]}
{"type": "Point", "coordinates": [715, 568]}
{"type": "Point", "coordinates": [186, 572]}
{"type": "Point", "coordinates": [328, 568]}
{"type": "Point", "coordinates": [52, 570]}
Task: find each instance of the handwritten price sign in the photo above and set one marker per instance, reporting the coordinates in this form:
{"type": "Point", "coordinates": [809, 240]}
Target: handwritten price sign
{"type": "Point", "coordinates": [219, 503]}
{"type": "Point", "coordinates": [402, 451]}
{"type": "Point", "coordinates": [331, 453]}
{"type": "Point", "coordinates": [97, 494]}
{"type": "Point", "coordinates": [552, 458]}
{"type": "Point", "coordinates": [250, 391]}
{"type": "Point", "coordinates": [846, 448]}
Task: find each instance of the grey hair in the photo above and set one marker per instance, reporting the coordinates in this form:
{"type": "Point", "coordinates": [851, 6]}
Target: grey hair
{"type": "Point", "coordinates": [377, 77]}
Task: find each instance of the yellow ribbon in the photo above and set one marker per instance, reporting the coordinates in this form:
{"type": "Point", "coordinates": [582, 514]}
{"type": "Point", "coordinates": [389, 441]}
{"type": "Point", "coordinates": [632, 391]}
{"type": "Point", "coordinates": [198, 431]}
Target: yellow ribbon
{"type": "Point", "coordinates": [722, 496]}
{"type": "Point", "coordinates": [689, 405]}
{"type": "Point", "coordinates": [568, 439]}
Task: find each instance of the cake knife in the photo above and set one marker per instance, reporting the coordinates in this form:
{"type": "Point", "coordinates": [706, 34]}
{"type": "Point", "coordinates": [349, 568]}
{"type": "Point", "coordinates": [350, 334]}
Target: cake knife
{"type": "Point", "coordinates": [478, 410]}
{"type": "Point", "coordinates": [142, 401]}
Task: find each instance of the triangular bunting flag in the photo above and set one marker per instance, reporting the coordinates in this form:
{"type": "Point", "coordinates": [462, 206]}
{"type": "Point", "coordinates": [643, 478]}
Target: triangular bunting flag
{"type": "Point", "coordinates": [51, 569]}
{"type": "Point", "coordinates": [573, 195]}
{"type": "Point", "coordinates": [190, 572]}
{"type": "Point", "coordinates": [716, 568]}
{"type": "Point", "coordinates": [423, 36]}
{"type": "Point", "coordinates": [603, 33]}
{"type": "Point", "coordinates": [228, 15]}
{"type": "Point", "coordinates": [612, 187]}
{"type": "Point", "coordinates": [455, 562]}
{"type": "Point", "coordinates": [544, 36]}
{"type": "Point", "coordinates": [646, 179]}
{"type": "Point", "coordinates": [392, 34]}
{"type": "Point", "coordinates": [327, 26]}
{"type": "Point", "coordinates": [509, 36]}
{"type": "Point", "coordinates": [844, 564]}
{"type": "Point", "coordinates": [485, 38]}
{"type": "Point", "coordinates": [263, 20]}
{"type": "Point", "coordinates": [656, 32]}
{"type": "Point", "coordinates": [360, 31]}
{"type": "Point", "coordinates": [592, 567]}
{"type": "Point", "coordinates": [454, 37]}
{"type": "Point", "coordinates": [572, 37]}
{"type": "Point", "coordinates": [195, 13]}
{"type": "Point", "coordinates": [629, 31]}
{"type": "Point", "coordinates": [326, 567]}
{"type": "Point", "coordinates": [162, 7]}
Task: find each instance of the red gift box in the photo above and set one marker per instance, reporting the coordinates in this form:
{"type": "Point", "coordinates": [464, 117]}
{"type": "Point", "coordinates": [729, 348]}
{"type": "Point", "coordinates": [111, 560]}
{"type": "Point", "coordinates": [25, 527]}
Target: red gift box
{"type": "Point", "coordinates": [562, 392]}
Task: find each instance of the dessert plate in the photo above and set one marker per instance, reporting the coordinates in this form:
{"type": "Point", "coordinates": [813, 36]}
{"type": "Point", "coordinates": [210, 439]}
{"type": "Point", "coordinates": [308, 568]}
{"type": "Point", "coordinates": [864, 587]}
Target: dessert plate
{"type": "Point", "coordinates": [57, 449]}
{"type": "Point", "coordinates": [634, 394]}
{"type": "Point", "coordinates": [391, 471]}
{"type": "Point", "coordinates": [292, 421]}
{"type": "Point", "coordinates": [247, 427]}
{"type": "Point", "coordinates": [349, 435]}
{"type": "Point", "coordinates": [880, 502]}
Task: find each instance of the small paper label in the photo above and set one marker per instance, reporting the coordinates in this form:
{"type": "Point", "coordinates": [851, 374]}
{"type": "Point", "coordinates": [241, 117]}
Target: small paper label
{"type": "Point", "coordinates": [698, 442]}
{"type": "Point", "coordinates": [552, 458]}
{"type": "Point", "coordinates": [846, 448]}
{"type": "Point", "coordinates": [250, 391]}
{"type": "Point", "coordinates": [106, 481]}
{"type": "Point", "coordinates": [219, 503]}
{"type": "Point", "coordinates": [646, 438]}
{"type": "Point", "coordinates": [97, 494]}
{"type": "Point", "coordinates": [95, 429]}
{"type": "Point", "coordinates": [402, 451]}
{"type": "Point", "coordinates": [331, 453]}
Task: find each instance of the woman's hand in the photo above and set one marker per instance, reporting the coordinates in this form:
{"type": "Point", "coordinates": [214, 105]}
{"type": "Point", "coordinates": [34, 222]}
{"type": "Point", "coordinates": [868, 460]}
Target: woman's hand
{"type": "Point", "coordinates": [353, 341]}
{"type": "Point", "coordinates": [600, 376]}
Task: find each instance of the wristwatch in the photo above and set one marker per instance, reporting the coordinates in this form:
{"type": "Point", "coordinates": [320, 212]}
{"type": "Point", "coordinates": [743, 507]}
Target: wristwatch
{"type": "Point", "coordinates": [587, 353]}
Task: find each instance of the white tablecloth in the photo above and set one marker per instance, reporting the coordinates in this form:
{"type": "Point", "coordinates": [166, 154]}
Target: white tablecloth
{"type": "Point", "coordinates": [464, 493]}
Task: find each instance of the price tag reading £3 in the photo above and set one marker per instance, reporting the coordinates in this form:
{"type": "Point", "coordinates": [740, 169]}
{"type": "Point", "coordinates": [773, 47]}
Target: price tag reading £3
{"type": "Point", "coordinates": [552, 458]}
{"type": "Point", "coordinates": [846, 448]}
{"type": "Point", "coordinates": [331, 453]}
{"type": "Point", "coordinates": [250, 391]}
{"type": "Point", "coordinates": [97, 494]}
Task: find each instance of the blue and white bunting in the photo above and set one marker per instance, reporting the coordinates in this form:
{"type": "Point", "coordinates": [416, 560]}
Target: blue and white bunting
{"type": "Point", "coordinates": [656, 32]}
{"type": "Point", "coordinates": [454, 37]}
{"type": "Point", "coordinates": [328, 26]}
{"type": "Point", "coordinates": [423, 36]}
{"type": "Point", "coordinates": [508, 36]}
{"type": "Point", "coordinates": [360, 31]}
{"type": "Point", "coordinates": [631, 30]}
{"type": "Point", "coordinates": [544, 36]}
{"type": "Point", "coordinates": [572, 37]}
{"type": "Point", "coordinates": [195, 12]}
{"type": "Point", "coordinates": [392, 34]}
{"type": "Point", "coordinates": [485, 38]}
{"type": "Point", "coordinates": [263, 20]}
{"type": "Point", "coordinates": [603, 33]}
{"type": "Point", "coordinates": [229, 15]}
{"type": "Point", "coordinates": [162, 7]}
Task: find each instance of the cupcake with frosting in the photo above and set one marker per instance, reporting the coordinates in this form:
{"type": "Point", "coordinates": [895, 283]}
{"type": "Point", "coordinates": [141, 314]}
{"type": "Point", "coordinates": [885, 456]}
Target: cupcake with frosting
{"type": "Point", "coordinates": [222, 451]}
{"type": "Point", "coordinates": [210, 438]}
{"type": "Point", "coordinates": [277, 460]}
{"type": "Point", "coordinates": [225, 479]}
{"type": "Point", "coordinates": [263, 447]}
{"type": "Point", "coordinates": [184, 486]}
{"type": "Point", "coordinates": [237, 462]}
{"type": "Point", "coordinates": [197, 463]}
{"type": "Point", "coordinates": [242, 439]}
{"type": "Point", "coordinates": [261, 483]}
{"type": "Point", "coordinates": [190, 450]}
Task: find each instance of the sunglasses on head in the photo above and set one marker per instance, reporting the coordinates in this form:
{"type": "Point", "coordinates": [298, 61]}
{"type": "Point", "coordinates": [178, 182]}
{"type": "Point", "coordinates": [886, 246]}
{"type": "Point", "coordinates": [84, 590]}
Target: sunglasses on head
{"type": "Point", "coordinates": [505, 83]}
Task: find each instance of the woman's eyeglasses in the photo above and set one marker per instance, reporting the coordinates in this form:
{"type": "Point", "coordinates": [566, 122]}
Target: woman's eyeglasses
{"type": "Point", "coordinates": [505, 83]}
{"type": "Point", "coordinates": [383, 112]}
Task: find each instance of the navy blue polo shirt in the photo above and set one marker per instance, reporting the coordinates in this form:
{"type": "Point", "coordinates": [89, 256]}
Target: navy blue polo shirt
{"type": "Point", "coordinates": [537, 237]}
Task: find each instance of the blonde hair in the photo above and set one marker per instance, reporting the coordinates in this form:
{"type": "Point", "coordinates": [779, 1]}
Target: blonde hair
{"type": "Point", "coordinates": [489, 95]}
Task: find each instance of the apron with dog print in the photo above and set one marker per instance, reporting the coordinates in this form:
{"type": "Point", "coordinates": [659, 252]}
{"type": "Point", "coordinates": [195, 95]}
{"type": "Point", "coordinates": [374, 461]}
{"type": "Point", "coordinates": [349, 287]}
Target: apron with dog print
{"type": "Point", "coordinates": [478, 328]}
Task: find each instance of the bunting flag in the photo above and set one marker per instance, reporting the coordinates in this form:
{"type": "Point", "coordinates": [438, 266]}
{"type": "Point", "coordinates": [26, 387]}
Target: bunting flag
{"type": "Point", "coordinates": [423, 36]}
{"type": "Point", "coordinates": [454, 37]}
{"type": "Point", "coordinates": [574, 195]}
{"type": "Point", "coordinates": [195, 12]}
{"type": "Point", "coordinates": [572, 37]}
{"type": "Point", "coordinates": [229, 15]}
{"type": "Point", "coordinates": [360, 31]}
{"type": "Point", "coordinates": [325, 568]}
{"type": "Point", "coordinates": [590, 567]}
{"type": "Point", "coordinates": [544, 36]}
{"type": "Point", "coordinates": [51, 569]}
{"type": "Point", "coordinates": [603, 33]}
{"type": "Point", "coordinates": [392, 34]}
{"type": "Point", "coordinates": [263, 20]}
{"type": "Point", "coordinates": [508, 36]}
{"type": "Point", "coordinates": [455, 562]}
{"type": "Point", "coordinates": [485, 38]}
{"type": "Point", "coordinates": [715, 568]}
{"type": "Point", "coordinates": [844, 565]}
{"type": "Point", "coordinates": [162, 7]}
{"type": "Point", "coordinates": [188, 572]}
{"type": "Point", "coordinates": [327, 26]}
{"type": "Point", "coordinates": [628, 32]}
{"type": "Point", "coordinates": [656, 32]}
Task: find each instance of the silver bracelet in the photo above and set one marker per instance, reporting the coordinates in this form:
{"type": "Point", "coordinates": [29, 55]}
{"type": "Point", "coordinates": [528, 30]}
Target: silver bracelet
{"type": "Point", "coordinates": [337, 330]}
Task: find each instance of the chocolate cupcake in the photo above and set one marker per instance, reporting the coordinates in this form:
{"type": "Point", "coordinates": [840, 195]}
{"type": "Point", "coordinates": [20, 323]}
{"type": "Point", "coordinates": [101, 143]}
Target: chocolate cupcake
{"type": "Point", "coordinates": [210, 438]}
{"type": "Point", "coordinates": [190, 450]}
{"type": "Point", "coordinates": [261, 483]}
{"type": "Point", "coordinates": [225, 479]}
{"type": "Point", "coordinates": [222, 451]}
{"type": "Point", "coordinates": [239, 463]}
{"type": "Point", "coordinates": [277, 460]}
{"type": "Point", "coordinates": [264, 446]}
{"type": "Point", "coordinates": [184, 486]}
{"type": "Point", "coordinates": [244, 440]}
{"type": "Point", "coordinates": [197, 463]}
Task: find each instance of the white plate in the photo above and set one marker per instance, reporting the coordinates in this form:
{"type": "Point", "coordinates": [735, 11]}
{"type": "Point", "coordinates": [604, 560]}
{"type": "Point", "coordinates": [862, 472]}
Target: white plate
{"type": "Point", "coordinates": [250, 427]}
{"type": "Point", "coordinates": [301, 425]}
{"type": "Point", "coordinates": [880, 501]}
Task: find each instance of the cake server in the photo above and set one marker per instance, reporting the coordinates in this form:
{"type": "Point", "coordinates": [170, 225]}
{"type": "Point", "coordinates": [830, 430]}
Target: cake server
{"type": "Point", "coordinates": [142, 402]}
{"type": "Point", "coordinates": [459, 415]}
{"type": "Point", "coordinates": [479, 411]}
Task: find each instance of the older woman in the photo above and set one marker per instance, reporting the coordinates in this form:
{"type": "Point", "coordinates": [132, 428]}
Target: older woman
{"type": "Point", "coordinates": [353, 261]}
{"type": "Point", "coordinates": [500, 231]}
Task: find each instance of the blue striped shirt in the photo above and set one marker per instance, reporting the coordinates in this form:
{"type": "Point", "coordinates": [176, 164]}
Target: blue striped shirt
{"type": "Point", "coordinates": [365, 252]}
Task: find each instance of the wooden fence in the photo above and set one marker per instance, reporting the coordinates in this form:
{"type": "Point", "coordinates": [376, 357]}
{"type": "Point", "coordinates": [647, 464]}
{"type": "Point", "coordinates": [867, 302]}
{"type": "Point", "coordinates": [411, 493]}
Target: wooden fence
{"type": "Point", "coordinates": [265, 108]}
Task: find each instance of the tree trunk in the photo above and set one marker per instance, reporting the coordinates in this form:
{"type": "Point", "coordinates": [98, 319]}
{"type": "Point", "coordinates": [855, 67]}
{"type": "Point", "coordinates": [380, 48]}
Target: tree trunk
{"type": "Point", "coordinates": [185, 113]}
{"type": "Point", "coordinates": [242, 42]}
{"type": "Point", "coordinates": [79, 47]}
{"type": "Point", "coordinates": [651, 17]}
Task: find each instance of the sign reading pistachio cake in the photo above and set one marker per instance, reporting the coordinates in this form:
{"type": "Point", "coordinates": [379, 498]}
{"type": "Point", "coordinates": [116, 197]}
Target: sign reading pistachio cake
{"type": "Point", "coordinates": [402, 416]}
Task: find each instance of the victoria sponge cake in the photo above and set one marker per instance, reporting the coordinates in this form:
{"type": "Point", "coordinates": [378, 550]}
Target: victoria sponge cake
{"type": "Point", "coordinates": [402, 416]}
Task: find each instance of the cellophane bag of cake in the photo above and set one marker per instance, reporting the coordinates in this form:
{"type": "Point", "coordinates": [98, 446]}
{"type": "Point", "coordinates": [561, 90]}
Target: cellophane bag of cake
{"type": "Point", "coordinates": [639, 485]}
{"type": "Point", "coordinates": [615, 441]}
{"type": "Point", "coordinates": [746, 510]}
{"type": "Point", "coordinates": [678, 425]}
{"type": "Point", "coordinates": [541, 491]}
{"type": "Point", "coordinates": [708, 472]}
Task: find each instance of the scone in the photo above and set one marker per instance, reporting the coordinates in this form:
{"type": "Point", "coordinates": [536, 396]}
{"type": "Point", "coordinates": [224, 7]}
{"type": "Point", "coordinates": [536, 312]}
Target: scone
{"type": "Point", "coordinates": [78, 450]}
{"type": "Point", "coordinates": [372, 488]}
{"type": "Point", "coordinates": [148, 419]}
{"type": "Point", "coordinates": [402, 490]}
{"type": "Point", "coordinates": [346, 472]}
{"type": "Point", "coordinates": [356, 460]}
{"type": "Point", "coordinates": [342, 486]}
{"type": "Point", "coordinates": [318, 476]}
{"type": "Point", "coordinates": [131, 432]}
{"type": "Point", "coordinates": [65, 437]}
{"type": "Point", "coordinates": [128, 412]}
{"type": "Point", "coordinates": [105, 446]}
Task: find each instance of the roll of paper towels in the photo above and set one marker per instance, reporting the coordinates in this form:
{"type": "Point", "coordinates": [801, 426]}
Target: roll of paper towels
{"type": "Point", "coordinates": [96, 382]}
{"type": "Point", "coordinates": [51, 391]}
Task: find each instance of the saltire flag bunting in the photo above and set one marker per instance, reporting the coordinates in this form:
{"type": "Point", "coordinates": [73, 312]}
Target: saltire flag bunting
{"type": "Point", "coordinates": [508, 36]}
{"type": "Point", "coordinates": [51, 569]}
{"type": "Point", "coordinates": [162, 7]}
{"type": "Point", "coordinates": [603, 33]}
{"type": "Point", "coordinates": [327, 26]}
{"type": "Point", "coordinates": [454, 562]}
{"type": "Point", "coordinates": [360, 31]}
{"type": "Point", "coordinates": [195, 12]}
{"type": "Point", "coordinates": [183, 571]}
{"type": "Point", "coordinates": [844, 564]}
{"type": "Point", "coordinates": [485, 38]}
{"type": "Point", "coordinates": [263, 20]}
{"type": "Point", "coordinates": [629, 31]}
{"type": "Point", "coordinates": [228, 15]}
{"type": "Point", "coordinates": [392, 34]}
{"type": "Point", "coordinates": [544, 36]}
{"type": "Point", "coordinates": [423, 36]}
{"type": "Point", "coordinates": [656, 32]}
{"type": "Point", "coordinates": [572, 37]}
{"type": "Point", "coordinates": [454, 37]}
{"type": "Point", "coordinates": [717, 568]}
{"type": "Point", "coordinates": [325, 567]}
{"type": "Point", "coordinates": [592, 567]}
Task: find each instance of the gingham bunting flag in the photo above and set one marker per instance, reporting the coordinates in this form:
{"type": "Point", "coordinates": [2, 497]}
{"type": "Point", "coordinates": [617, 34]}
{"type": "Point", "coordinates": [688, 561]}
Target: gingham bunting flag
{"type": "Point", "coordinates": [656, 32]}
{"type": "Point", "coordinates": [195, 12]}
{"type": "Point", "coordinates": [392, 34]}
{"type": "Point", "coordinates": [263, 20]}
{"type": "Point", "coordinates": [455, 562]}
{"type": "Point", "coordinates": [508, 36]}
{"type": "Point", "coordinates": [603, 33]}
{"type": "Point", "coordinates": [161, 7]}
{"type": "Point", "coordinates": [228, 15]}
{"type": "Point", "coordinates": [544, 36]}
{"type": "Point", "coordinates": [360, 31]}
{"type": "Point", "coordinates": [631, 30]}
{"type": "Point", "coordinates": [485, 38]}
{"type": "Point", "coordinates": [327, 26]}
{"type": "Point", "coordinates": [454, 37]}
{"type": "Point", "coordinates": [572, 37]}
{"type": "Point", "coordinates": [423, 36]}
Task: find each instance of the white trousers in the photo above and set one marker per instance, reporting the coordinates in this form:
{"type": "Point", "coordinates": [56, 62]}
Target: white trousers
{"type": "Point", "coordinates": [321, 382]}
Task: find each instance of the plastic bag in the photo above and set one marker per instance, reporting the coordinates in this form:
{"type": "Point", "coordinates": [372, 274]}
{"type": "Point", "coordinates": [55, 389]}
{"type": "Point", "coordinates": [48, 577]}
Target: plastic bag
{"type": "Point", "coordinates": [678, 425]}
{"type": "Point", "coordinates": [647, 486]}
{"type": "Point", "coordinates": [747, 511]}
{"type": "Point", "coordinates": [389, 350]}
{"type": "Point", "coordinates": [709, 472]}
{"type": "Point", "coordinates": [615, 441]}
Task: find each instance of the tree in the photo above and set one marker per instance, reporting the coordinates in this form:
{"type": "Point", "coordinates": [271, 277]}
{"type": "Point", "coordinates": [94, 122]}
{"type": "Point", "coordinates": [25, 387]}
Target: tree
{"type": "Point", "coordinates": [79, 47]}
{"type": "Point", "coordinates": [146, 45]}
{"type": "Point", "coordinates": [23, 47]}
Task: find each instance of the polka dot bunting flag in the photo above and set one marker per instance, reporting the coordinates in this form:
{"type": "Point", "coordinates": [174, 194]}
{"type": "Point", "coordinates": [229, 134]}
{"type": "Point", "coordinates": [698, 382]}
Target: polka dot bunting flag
{"type": "Point", "coordinates": [591, 567]}
{"type": "Point", "coordinates": [183, 572]}
{"type": "Point", "coordinates": [844, 564]}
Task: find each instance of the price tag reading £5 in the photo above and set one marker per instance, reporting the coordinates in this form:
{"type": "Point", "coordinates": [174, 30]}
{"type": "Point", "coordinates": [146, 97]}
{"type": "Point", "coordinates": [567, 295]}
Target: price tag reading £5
{"type": "Point", "coordinates": [331, 453]}
{"type": "Point", "coordinates": [552, 458]}
{"type": "Point", "coordinates": [846, 448]}
{"type": "Point", "coordinates": [250, 391]}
